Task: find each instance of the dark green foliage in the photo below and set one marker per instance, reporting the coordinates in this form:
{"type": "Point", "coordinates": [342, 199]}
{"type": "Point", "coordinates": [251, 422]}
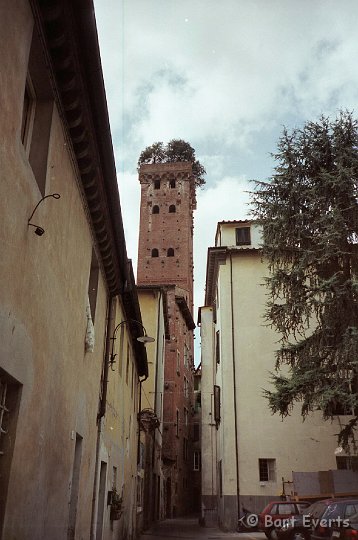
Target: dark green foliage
{"type": "Point", "coordinates": [175, 150]}
{"type": "Point", "coordinates": [309, 214]}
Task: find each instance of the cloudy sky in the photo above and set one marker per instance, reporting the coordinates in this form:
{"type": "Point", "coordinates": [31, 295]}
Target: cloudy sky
{"type": "Point", "coordinates": [226, 76]}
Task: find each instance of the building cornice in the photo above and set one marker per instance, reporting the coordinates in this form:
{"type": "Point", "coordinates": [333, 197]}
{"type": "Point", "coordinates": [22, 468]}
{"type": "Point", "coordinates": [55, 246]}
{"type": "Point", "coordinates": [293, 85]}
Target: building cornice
{"type": "Point", "coordinates": [69, 35]}
{"type": "Point", "coordinates": [68, 32]}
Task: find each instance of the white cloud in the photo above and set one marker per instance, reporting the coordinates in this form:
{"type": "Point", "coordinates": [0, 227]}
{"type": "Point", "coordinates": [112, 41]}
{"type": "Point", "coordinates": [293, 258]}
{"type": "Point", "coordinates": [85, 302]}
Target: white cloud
{"type": "Point", "coordinates": [225, 76]}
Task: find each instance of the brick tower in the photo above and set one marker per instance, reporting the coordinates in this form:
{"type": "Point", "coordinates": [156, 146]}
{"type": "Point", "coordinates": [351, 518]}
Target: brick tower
{"type": "Point", "coordinates": [165, 258]}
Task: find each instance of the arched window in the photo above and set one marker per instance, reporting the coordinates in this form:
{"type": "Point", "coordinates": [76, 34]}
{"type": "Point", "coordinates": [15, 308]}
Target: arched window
{"type": "Point", "coordinates": [155, 209]}
{"type": "Point", "coordinates": [170, 252]}
{"type": "Point", "coordinates": [172, 209]}
{"type": "Point", "coordinates": [155, 252]}
{"type": "Point", "coordinates": [156, 184]}
{"type": "Point", "coordinates": [172, 183]}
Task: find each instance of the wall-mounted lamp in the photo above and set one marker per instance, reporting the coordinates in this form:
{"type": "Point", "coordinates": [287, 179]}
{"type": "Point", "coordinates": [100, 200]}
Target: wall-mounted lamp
{"type": "Point", "coordinates": [39, 230]}
{"type": "Point", "coordinates": [143, 339]}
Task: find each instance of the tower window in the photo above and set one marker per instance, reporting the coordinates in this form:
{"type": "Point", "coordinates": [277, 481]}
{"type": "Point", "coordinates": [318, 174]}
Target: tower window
{"type": "Point", "coordinates": [156, 184]}
{"type": "Point", "coordinates": [155, 252]}
{"type": "Point", "coordinates": [155, 209]}
{"type": "Point", "coordinates": [170, 252]}
{"type": "Point", "coordinates": [172, 209]}
{"type": "Point", "coordinates": [172, 183]}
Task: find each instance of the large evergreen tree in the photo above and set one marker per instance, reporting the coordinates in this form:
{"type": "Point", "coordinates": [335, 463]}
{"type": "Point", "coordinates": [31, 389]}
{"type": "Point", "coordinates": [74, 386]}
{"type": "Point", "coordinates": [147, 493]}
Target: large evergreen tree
{"type": "Point", "coordinates": [309, 214]}
{"type": "Point", "coordinates": [175, 150]}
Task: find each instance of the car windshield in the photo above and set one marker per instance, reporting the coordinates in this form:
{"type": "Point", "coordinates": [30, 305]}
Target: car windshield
{"type": "Point", "coordinates": [314, 510]}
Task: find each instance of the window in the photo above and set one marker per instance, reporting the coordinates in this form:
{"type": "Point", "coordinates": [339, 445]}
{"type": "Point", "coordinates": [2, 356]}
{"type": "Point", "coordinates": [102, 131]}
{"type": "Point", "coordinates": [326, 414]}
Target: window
{"type": "Point", "coordinates": [243, 236]}
{"type": "Point", "coordinates": [197, 461]}
{"type": "Point", "coordinates": [156, 184]}
{"type": "Point", "coordinates": [170, 252]}
{"type": "Point", "coordinates": [93, 284]}
{"type": "Point", "coordinates": [186, 387]}
{"type": "Point", "coordinates": [28, 112]}
{"type": "Point", "coordinates": [186, 416]}
{"type": "Point", "coordinates": [267, 470]}
{"type": "Point", "coordinates": [185, 449]}
{"type": "Point", "coordinates": [186, 357]}
{"type": "Point", "coordinates": [217, 405]}
{"type": "Point", "coordinates": [155, 209]}
{"type": "Point", "coordinates": [217, 351]}
{"type": "Point", "coordinates": [285, 509]}
{"type": "Point", "coordinates": [37, 113]}
{"type": "Point", "coordinates": [10, 392]}
{"type": "Point", "coordinates": [172, 209]}
{"type": "Point", "coordinates": [351, 508]}
{"type": "Point", "coordinates": [177, 424]}
{"type": "Point", "coordinates": [348, 463]}
{"type": "Point", "coordinates": [172, 183]}
{"type": "Point", "coordinates": [178, 362]}
{"type": "Point", "coordinates": [155, 252]}
{"type": "Point", "coordinates": [196, 432]}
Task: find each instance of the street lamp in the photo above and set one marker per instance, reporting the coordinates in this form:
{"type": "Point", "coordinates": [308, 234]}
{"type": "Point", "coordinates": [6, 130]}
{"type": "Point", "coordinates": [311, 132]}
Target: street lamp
{"type": "Point", "coordinates": [142, 339]}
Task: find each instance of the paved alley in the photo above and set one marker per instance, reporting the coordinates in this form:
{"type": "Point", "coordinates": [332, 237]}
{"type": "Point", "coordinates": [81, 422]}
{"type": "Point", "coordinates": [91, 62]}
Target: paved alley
{"type": "Point", "coordinates": [190, 529]}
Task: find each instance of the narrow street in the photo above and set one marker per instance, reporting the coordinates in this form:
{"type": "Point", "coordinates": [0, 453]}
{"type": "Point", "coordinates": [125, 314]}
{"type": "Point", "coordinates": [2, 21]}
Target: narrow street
{"type": "Point", "coordinates": [190, 529]}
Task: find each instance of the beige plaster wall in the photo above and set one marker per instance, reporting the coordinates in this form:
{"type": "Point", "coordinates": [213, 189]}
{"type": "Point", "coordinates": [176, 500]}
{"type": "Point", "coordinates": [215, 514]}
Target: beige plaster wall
{"type": "Point", "coordinates": [295, 445]}
{"type": "Point", "coordinates": [43, 314]}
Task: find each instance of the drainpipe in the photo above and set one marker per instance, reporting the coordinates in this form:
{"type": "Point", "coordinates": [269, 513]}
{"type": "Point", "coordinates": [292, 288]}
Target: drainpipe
{"type": "Point", "coordinates": [234, 380]}
{"type": "Point", "coordinates": [153, 503]}
{"type": "Point", "coordinates": [139, 409]}
{"type": "Point", "coordinates": [101, 413]}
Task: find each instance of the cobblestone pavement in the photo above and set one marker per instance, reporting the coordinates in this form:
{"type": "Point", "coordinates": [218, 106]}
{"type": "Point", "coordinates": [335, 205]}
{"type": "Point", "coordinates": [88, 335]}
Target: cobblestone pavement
{"type": "Point", "coordinates": [190, 529]}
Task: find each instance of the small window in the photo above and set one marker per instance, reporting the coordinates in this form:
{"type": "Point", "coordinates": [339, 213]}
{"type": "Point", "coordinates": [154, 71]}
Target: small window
{"type": "Point", "coordinates": [197, 460]}
{"type": "Point", "coordinates": [349, 463]}
{"type": "Point", "coordinates": [177, 424]}
{"type": "Point", "coordinates": [186, 416]}
{"type": "Point", "coordinates": [172, 209]}
{"type": "Point", "coordinates": [155, 209]}
{"type": "Point", "coordinates": [170, 252]}
{"type": "Point", "coordinates": [37, 113]}
{"type": "Point", "coordinates": [185, 449]}
{"type": "Point", "coordinates": [155, 252]}
{"type": "Point", "coordinates": [217, 405]}
{"type": "Point", "coordinates": [156, 184]}
{"type": "Point", "coordinates": [267, 470]}
{"type": "Point", "coordinates": [218, 347]}
{"type": "Point", "coordinates": [243, 237]}
{"type": "Point", "coordinates": [172, 183]}
{"type": "Point", "coordinates": [186, 387]}
{"type": "Point", "coordinates": [28, 112]}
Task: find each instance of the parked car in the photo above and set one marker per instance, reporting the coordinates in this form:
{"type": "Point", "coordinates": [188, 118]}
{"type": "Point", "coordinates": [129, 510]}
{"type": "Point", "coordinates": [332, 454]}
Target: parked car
{"type": "Point", "coordinates": [346, 531]}
{"type": "Point", "coordinates": [277, 512]}
{"type": "Point", "coordinates": [335, 512]}
{"type": "Point", "coordinates": [318, 520]}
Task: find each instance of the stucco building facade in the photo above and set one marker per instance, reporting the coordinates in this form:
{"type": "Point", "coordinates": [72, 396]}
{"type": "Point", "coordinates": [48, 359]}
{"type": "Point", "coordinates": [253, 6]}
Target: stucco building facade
{"type": "Point", "coordinates": [68, 412]}
{"type": "Point", "coordinates": [165, 258]}
{"type": "Point", "coordinates": [248, 453]}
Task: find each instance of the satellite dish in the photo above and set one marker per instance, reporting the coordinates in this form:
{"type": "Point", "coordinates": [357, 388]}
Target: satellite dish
{"type": "Point", "coordinates": [338, 450]}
